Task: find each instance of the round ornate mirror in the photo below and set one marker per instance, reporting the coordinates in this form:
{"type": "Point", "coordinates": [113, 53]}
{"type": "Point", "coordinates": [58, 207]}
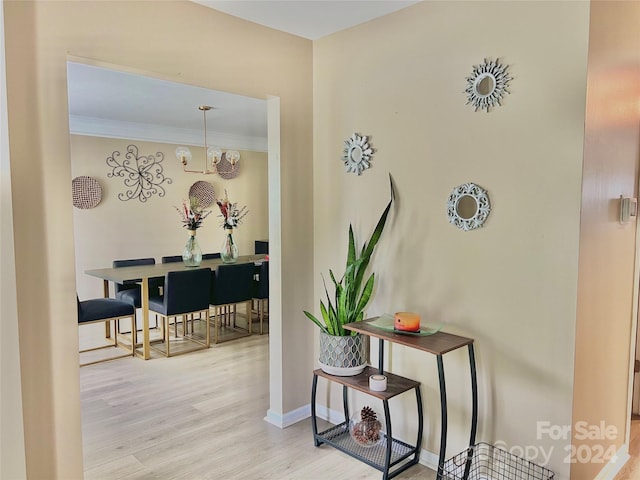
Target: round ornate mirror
{"type": "Point", "coordinates": [487, 85]}
{"type": "Point", "coordinates": [357, 154]}
{"type": "Point", "coordinates": [468, 206]}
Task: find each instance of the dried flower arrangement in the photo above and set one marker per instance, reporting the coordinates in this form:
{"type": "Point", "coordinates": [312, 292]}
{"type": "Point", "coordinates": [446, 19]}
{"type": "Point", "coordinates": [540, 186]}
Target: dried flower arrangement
{"type": "Point", "coordinates": [231, 215]}
{"type": "Point", "coordinates": [192, 215]}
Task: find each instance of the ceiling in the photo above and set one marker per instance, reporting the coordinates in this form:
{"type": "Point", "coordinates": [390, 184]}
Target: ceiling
{"type": "Point", "coordinates": [312, 19]}
{"type": "Point", "coordinates": [118, 104]}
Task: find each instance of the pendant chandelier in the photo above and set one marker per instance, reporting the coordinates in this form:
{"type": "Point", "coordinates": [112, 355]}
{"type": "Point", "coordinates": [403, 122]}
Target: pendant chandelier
{"type": "Point", "coordinates": [213, 158]}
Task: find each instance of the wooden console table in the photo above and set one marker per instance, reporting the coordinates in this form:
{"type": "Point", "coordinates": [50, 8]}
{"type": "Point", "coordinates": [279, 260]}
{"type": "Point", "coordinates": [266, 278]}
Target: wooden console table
{"type": "Point", "coordinates": [396, 452]}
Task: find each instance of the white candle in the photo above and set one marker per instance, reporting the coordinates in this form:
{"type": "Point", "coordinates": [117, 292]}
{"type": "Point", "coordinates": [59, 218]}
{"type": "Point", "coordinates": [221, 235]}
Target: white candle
{"type": "Point", "coordinates": [377, 383]}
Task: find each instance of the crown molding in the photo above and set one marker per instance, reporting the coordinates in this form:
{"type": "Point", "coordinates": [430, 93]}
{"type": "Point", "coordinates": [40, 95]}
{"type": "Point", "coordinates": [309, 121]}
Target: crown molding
{"type": "Point", "coordinates": [146, 132]}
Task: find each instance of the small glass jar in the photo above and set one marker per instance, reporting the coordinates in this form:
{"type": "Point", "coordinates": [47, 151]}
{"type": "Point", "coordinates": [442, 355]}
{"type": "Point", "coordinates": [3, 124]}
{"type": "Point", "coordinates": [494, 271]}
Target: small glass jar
{"type": "Point", "coordinates": [366, 433]}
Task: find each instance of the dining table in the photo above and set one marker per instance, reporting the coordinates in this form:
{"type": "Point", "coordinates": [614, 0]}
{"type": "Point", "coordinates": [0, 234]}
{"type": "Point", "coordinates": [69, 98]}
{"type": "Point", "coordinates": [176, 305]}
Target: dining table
{"type": "Point", "coordinates": [142, 274]}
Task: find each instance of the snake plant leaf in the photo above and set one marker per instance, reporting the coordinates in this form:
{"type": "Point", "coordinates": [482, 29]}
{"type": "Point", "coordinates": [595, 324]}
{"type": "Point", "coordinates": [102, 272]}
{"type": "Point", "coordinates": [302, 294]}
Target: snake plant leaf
{"type": "Point", "coordinates": [341, 311]}
{"type": "Point", "coordinates": [373, 241]}
{"type": "Point", "coordinates": [316, 321]}
{"type": "Point", "coordinates": [351, 254]}
{"type": "Point", "coordinates": [333, 279]}
{"type": "Point", "coordinates": [326, 315]}
{"type": "Point", "coordinates": [366, 294]}
{"type": "Point", "coordinates": [350, 296]}
{"type": "Point", "coordinates": [331, 318]}
{"type": "Point", "coordinates": [354, 281]}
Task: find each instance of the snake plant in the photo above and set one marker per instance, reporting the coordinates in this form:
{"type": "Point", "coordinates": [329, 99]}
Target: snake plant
{"type": "Point", "coordinates": [351, 296]}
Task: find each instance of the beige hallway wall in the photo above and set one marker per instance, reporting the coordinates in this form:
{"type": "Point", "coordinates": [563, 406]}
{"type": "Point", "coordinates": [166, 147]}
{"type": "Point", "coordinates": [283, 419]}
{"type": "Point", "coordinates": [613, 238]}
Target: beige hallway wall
{"type": "Point", "coordinates": [512, 284]}
{"type": "Point", "coordinates": [12, 459]}
{"type": "Point", "coordinates": [174, 40]}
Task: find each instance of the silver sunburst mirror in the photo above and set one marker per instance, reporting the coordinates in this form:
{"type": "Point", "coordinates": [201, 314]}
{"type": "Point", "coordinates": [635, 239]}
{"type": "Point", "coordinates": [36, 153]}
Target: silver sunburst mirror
{"type": "Point", "coordinates": [357, 154]}
{"type": "Point", "coordinates": [487, 84]}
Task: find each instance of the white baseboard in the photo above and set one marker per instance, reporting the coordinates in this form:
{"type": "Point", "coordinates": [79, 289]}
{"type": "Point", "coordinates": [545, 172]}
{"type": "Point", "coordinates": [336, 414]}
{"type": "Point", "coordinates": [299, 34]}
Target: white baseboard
{"type": "Point", "coordinates": [612, 468]}
{"type": "Point", "coordinates": [289, 418]}
{"type": "Point", "coordinates": [332, 416]}
{"type": "Point", "coordinates": [429, 459]}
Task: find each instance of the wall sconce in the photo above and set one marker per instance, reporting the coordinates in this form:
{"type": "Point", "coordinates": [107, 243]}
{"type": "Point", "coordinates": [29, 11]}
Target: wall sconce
{"type": "Point", "coordinates": [628, 209]}
{"type": "Point", "coordinates": [213, 157]}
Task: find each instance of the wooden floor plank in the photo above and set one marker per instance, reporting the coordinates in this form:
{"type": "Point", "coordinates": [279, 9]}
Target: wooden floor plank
{"type": "Point", "coordinates": [201, 416]}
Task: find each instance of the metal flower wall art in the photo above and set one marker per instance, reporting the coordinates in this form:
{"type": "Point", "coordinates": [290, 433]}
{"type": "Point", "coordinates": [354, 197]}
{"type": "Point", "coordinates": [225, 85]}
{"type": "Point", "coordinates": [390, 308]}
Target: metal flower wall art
{"type": "Point", "coordinates": [143, 176]}
{"type": "Point", "coordinates": [357, 154]}
{"type": "Point", "coordinates": [487, 85]}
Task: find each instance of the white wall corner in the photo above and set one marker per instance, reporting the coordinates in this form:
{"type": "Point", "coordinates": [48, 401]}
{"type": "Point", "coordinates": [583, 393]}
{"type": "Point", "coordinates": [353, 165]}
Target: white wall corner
{"type": "Point", "coordinates": [289, 418]}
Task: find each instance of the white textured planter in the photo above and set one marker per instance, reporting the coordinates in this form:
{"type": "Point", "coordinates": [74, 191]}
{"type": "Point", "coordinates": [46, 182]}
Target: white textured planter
{"type": "Point", "coordinates": [343, 356]}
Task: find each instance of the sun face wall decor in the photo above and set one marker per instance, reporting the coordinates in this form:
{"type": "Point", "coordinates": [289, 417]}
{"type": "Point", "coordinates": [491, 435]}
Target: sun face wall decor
{"type": "Point", "coordinates": [357, 154]}
{"type": "Point", "coordinates": [487, 85]}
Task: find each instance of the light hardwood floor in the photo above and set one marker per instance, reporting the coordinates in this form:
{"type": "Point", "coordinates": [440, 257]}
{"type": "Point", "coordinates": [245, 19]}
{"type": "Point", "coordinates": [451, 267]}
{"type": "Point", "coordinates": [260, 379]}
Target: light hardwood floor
{"type": "Point", "coordinates": [631, 470]}
{"type": "Point", "coordinates": [201, 416]}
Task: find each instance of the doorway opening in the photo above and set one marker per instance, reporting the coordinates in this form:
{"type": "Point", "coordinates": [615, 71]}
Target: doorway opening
{"type": "Point", "coordinates": [102, 234]}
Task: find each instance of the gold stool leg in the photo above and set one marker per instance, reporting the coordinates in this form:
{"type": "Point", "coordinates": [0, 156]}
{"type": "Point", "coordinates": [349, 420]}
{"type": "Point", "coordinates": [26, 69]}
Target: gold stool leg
{"type": "Point", "coordinates": [247, 307]}
{"type": "Point", "coordinates": [216, 311]}
{"type": "Point", "coordinates": [165, 321]}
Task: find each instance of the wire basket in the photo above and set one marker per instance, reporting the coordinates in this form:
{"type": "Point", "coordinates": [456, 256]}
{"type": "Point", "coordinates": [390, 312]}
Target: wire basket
{"type": "Point", "coordinates": [487, 462]}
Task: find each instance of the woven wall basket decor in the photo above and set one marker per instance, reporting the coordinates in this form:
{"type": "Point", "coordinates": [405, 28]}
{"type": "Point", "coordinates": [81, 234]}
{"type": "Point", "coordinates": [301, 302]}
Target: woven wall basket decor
{"type": "Point", "coordinates": [227, 169]}
{"type": "Point", "coordinates": [86, 192]}
{"type": "Point", "coordinates": [204, 192]}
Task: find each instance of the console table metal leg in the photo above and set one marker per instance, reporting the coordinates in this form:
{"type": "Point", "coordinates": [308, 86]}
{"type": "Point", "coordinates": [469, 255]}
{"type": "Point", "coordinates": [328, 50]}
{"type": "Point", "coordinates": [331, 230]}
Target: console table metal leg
{"type": "Point", "coordinates": [314, 423]}
{"type": "Point", "coordinates": [420, 424]}
{"type": "Point", "coordinates": [474, 395]}
{"type": "Point", "coordinates": [443, 416]}
{"type": "Point", "coordinates": [345, 404]}
{"type": "Point", "coordinates": [387, 457]}
{"type": "Point", "coordinates": [474, 414]}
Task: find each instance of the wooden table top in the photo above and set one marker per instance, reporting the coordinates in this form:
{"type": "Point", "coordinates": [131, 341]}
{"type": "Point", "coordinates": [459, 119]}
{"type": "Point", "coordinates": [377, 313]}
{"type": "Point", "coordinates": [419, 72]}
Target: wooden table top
{"type": "Point", "coordinates": [438, 343]}
{"type": "Point", "coordinates": [122, 274]}
{"type": "Point", "coordinates": [395, 385]}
